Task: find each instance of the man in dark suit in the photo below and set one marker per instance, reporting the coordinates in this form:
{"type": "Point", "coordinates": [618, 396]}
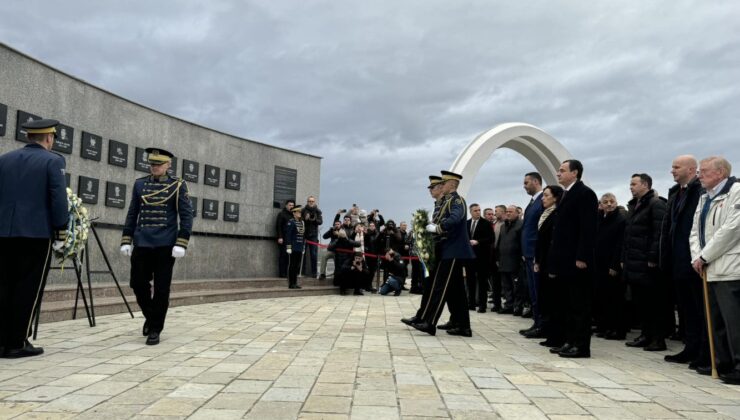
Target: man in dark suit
{"type": "Point", "coordinates": [533, 187]}
{"type": "Point", "coordinates": [33, 211]}
{"type": "Point", "coordinates": [675, 261]}
{"type": "Point", "coordinates": [477, 270]}
{"type": "Point", "coordinates": [509, 259]}
{"type": "Point", "coordinates": [571, 257]}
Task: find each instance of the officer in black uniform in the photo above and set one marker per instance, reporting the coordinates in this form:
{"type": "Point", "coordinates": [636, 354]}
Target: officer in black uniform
{"type": "Point", "coordinates": [450, 228]}
{"type": "Point", "coordinates": [33, 211]}
{"type": "Point", "coordinates": [153, 239]}
{"type": "Point", "coordinates": [295, 246]}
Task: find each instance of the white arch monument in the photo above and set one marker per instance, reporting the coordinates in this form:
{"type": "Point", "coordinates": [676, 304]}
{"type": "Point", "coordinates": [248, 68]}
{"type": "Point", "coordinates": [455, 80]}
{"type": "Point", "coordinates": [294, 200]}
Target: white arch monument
{"type": "Point", "coordinates": [540, 148]}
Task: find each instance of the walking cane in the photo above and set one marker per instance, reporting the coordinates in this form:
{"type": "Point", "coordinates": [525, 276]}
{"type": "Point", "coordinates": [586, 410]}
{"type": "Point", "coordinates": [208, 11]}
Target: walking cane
{"type": "Point", "coordinates": [715, 375]}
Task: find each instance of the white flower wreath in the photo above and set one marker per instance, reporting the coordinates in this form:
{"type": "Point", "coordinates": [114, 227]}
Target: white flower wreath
{"type": "Point", "coordinates": [423, 240]}
{"type": "Point", "coordinates": [77, 228]}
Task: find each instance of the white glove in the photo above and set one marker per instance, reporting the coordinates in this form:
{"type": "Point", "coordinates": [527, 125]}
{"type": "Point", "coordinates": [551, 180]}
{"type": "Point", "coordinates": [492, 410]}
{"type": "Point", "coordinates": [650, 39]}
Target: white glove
{"type": "Point", "coordinates": [178, 251]}
{"type": "Point", "coordinates": [126, 250]}
{"type": "Point", "coordinates": [432, 228]}
{"type": "Point", "coordinates": [382, 228]}
{"type": "Point", "coordinates": [57, 245]}
{"type": "Point", "coordinates": [288, 251]}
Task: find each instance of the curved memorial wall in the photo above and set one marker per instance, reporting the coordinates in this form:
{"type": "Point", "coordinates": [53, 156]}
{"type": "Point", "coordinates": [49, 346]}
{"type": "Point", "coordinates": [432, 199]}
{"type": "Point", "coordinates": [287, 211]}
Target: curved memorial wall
{"type": "Point", "coordinates": [236, 184]}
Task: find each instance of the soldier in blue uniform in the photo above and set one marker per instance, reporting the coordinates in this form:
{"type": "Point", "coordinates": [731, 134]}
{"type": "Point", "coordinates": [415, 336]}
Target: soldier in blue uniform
{"type": "Point", "coordinates": [153, 239]}
{"type": "Point", "coordinates": [33, 221]}
{"type": "Point", "coordinates": [450, 228]}
{"type": "Point", "coordinates": [295, 245]}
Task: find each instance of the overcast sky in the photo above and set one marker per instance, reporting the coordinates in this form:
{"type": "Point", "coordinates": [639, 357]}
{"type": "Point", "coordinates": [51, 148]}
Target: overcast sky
{"type": "Point", "coordinates": [388, 92]}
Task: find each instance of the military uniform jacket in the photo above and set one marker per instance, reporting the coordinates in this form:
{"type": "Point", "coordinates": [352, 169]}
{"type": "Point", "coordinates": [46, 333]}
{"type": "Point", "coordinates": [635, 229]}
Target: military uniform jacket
{"type": "Point", "coordinates": [156, 204]}
{"type": "Point", "coordinates": [294, 239]}
{"type": "Point", "coordinates": [33, 194]}
{"type": "Point", "coordinates": [452, 228]}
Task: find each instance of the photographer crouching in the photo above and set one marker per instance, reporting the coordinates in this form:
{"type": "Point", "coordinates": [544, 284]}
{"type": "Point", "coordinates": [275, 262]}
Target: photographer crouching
{"type": "Point", "coordinates": [396, 271]}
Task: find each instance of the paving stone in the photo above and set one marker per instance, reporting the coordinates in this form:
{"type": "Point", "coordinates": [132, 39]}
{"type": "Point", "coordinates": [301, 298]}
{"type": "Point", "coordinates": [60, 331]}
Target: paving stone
{"type": "Point", "coordinates": [423, 408]}
{"type": "Point", "coordinates": [518, 411]}
{"type": "Point", "coordinates": [285, 394]}
{"type": "Point", "coordinates": [232, 401]}
{"type": "Point", "coordinates": [327, 404]}
{"type": "Point", "coordinates": [73, 403]}
{"type": "Point", "coordinates": [274, 410]}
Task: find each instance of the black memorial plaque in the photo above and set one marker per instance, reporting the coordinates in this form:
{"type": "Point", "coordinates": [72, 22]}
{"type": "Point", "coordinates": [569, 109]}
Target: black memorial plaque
{"type": "Point", "coordinates": [173, 167]}
{"type": "Point", "coordinates": [210, 209]}
{"type": "Point", "coordinates": [3, 119]}
{"type": "Point", "coordinates": [231, 212]}
{"type": "Point", "coordinates": [92, 146]}
{"type": "Point", "coordinates": [212, 176]}
{"type": "Point", "coordinates": [284, 187]}
{"type": "Point", "coordinates": [63, 142]}
{"type": "Point", "coordinates": [194, 203]}
{"type": "Point", "coordinates": [190, 170]}
{"type": "Point", "coordinates": [233, 180]}
{"type": "Point", "coordinates": [87, 189]}
{"type": "Point", "coordinates": [115, 195]}
{"type": "Point", "coordinates": [23, 117]}
{"type": "Point", "coordinates": [141, 163]}
{"type": "Point", "coordinates": [67, 178]}
{"type": "Point", "coordinates": [117, 153]}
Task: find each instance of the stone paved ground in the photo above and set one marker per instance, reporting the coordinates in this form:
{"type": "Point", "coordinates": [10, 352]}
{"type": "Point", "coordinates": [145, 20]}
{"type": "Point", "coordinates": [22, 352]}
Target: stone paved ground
{"type": "Point", "coordinates": [339, 357]}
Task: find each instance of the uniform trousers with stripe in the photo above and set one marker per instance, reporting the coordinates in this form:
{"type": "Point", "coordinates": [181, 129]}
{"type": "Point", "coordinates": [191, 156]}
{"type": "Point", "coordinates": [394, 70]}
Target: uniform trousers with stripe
{"type": "Point", "coordinates": [151, 277]}
{"type": "Point", "coordinates": [448, 285]}
{"type": "Point", "coordinates": [23, 264]}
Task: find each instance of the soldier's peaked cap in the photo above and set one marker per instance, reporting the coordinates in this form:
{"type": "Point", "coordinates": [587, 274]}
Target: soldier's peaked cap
{"type": "Point", "coordinates": [447, 175]}
{"type": "Point", "coordinates": [296, 208]}
{"type": "Point", "coordinates": [41, 126]}
{"type": "Point", "coordinates": [434, 180]}
{"type": "Point", "coordinates": [158, 156]}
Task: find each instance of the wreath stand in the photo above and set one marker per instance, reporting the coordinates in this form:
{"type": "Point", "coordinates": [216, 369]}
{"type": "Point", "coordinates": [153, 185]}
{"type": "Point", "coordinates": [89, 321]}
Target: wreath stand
{"type": "Point", "coordinates": [80, 292]}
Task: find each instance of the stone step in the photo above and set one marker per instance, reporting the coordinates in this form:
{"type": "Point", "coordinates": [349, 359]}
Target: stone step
{"type": "Point", "coordinates": [107, 299]}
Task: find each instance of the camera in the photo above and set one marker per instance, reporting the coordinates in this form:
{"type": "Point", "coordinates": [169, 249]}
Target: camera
{"type": "Point", "coordinates": [343, 211]}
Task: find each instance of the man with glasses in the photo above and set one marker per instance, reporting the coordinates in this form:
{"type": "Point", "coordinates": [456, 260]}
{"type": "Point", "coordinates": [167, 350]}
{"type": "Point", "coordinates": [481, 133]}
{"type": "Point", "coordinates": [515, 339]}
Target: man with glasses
{"type": "Point", "coordinates": [153, 238]}
{"type": "Point", "coordinates": [312, 219]}
{"type": "Point", "coordinates": [33, 221]}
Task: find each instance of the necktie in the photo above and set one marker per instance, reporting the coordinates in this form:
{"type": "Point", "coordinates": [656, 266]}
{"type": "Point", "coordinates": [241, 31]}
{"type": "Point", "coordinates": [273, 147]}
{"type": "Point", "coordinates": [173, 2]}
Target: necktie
{"type": "Point", "coordinates": [472, 227]}
{"type": "Point", "coordinates": [703, 220]}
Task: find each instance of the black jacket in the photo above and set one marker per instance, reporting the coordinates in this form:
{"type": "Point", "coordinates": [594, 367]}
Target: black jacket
{"type": "Point", "coordinates": [574, 233]}
{"type": "Point", "coordinates": [312, 219]}
{"type": "Point", "coordinates": [509, 247]}
{"type": "Point", "coordinates": [675, 255]}
{"type": "Point", "coordinates": [282, 221]}
{"type": "Point", "coordinates": [609, 241]}
{"type": "Point", "coordinates": [394, 267]}
{"type": "Point", "coordinates": [642, 238]}
{"type": "Point", "coordinates": [484, 235]}
{"type": "Point", "coordinates": [544, 241]}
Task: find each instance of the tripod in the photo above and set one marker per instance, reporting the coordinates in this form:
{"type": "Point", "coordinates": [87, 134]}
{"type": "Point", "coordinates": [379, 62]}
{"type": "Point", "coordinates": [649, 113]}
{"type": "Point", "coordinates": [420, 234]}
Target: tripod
{"type": "Point", "coordinates": [80, 292]}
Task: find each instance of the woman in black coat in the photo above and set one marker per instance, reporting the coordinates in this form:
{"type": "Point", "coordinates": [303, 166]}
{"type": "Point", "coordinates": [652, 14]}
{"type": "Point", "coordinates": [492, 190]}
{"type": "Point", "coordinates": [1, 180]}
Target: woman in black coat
{"type": "Point", "coordinates": [343, 249]}
{"type": "Point", "coordinates": [550, 294]}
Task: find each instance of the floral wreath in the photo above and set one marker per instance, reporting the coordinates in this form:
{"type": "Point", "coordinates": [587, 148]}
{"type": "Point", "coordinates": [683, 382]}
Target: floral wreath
{"type": "Point", "coordinates": [77, 228]}
{"type": "Point", "coordinates": [423, 240]}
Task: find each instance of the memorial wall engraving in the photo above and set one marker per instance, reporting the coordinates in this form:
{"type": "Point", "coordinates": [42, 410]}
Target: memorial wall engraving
{"type": "Point", "coordinates": [92, 146]}
{"type": "Point", "coordinates": [190, 170]}
{"type": "Point", "coordinates": [231, 212]}
{"type": "Point", "coordinates": [87, 189]}
{"type": "Point", "coordinates": [233, 180]}
{"type": "Point", "coordinates": [212, 176]}
{"type": "Point", "coordinates": [210, 209]}
{"type": "Point", "coordinates": [141, 163]}
{"type": "Point", "coordinates": [284, 186]}
{"type": "Point", "coordinates": [3, 119]}
{"type": "Point", "coordinates": [117, 153]}
{"type": "Point", "coordinates": [63, 142]}
{"type": "Point", "coordinates": [23, 117]}
{"type": "Point", "coordinates": [115, 195]}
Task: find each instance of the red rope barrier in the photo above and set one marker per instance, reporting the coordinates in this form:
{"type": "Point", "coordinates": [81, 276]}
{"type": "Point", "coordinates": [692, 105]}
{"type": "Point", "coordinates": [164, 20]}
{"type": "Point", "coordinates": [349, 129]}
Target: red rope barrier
{"type": "Point", "coordinates": [352, 251]}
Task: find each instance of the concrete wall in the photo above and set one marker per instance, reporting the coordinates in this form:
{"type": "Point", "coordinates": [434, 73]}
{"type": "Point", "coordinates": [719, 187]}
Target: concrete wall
{"type": "Point", "coordinates": [247, 247]}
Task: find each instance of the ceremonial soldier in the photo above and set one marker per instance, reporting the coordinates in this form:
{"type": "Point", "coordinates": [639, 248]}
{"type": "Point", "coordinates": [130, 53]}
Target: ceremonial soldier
{"type": "Point", "coordinates": [153, 238]}
{"type": "Point", "coordinates": [295, 245]}
{"type": "Point", "coordinates": [450, 228]}
{"type": "Point", "coordinates": [33, 210]}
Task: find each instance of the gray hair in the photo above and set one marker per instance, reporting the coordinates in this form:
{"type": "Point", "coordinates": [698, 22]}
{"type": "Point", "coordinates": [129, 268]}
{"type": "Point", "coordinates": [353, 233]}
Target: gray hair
{"type": "Point", "coordinates": [719, 163]}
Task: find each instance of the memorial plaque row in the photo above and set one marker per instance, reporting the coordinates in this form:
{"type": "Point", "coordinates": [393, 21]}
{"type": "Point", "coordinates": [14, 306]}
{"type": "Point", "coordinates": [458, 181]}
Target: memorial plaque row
{"type": "Point", "coordinates": [210, 210]}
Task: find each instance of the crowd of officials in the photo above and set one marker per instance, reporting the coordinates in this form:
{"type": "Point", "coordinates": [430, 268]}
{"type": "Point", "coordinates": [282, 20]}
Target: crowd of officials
{"type": "Point", "coordinates": [577, 264]}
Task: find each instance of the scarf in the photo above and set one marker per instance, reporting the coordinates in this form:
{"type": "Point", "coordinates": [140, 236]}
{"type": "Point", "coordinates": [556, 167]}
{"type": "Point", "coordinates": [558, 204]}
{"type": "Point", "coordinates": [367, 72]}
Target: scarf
{"type": "Point", "coordinates": [545, 215]}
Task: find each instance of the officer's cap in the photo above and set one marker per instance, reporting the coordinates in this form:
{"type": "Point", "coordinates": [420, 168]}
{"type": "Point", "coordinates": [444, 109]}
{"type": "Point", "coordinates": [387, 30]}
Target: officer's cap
{"type": "Point", "coordinates": [41, 126]}
{"type": "Point", "coordinates": [434, 180]}
{"type": "Point", "coordinates": [447, 176]}
{"type": "Point", "coordinates": [297, 209]}
{"type": "Point", "coordinates": [157, 156]}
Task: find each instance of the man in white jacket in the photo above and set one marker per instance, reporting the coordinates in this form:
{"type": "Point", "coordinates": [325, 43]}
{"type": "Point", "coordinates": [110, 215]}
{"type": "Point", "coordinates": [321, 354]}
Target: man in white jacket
{"type": "Point", "coordinates": [715, 248]}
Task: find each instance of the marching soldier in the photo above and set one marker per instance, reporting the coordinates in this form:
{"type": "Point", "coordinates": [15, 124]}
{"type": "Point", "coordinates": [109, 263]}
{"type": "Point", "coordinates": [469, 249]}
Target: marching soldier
{"type": "Point", "coordinates": [295, 245]}
{"type": "Point", "coordinates": [33, 210]}
{"type": "Point", "coordinates": [153, 239]}
{"type": "Point", "coordinates": [450, 227]}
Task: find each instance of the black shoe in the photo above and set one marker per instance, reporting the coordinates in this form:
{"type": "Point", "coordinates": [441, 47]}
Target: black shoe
{"type": "Point", "coordinates": [297, 286]}
{"type": "Point", "coordinates": [322, 277]}
{"type": "Point", "coordinates": [564, 347]}
{"type": "Point", "coordinates": [551, 343]}
{"type": "Point", "coordinates": [676, 337]}
{"type": "Point", "coordinates": [152, 339]}
{"type": "Point", "coordinates": [731, 377]}
{"type": "Point", "coordinates": [704, 370]}
{"type": "Point", "coordinates": [505, 311]}
{"type": "Point", "coordinates": [425, 327]}
{"type": "Point", "coordinates": [145, 329]}
{"type": "Point", "coordinates": [614, 335]}
{"type": "Point", "coordinates": [465, 332]}
{"type": "Point", "coordinates": [358, 293]}
{"type": "Point", "coordinates": [290, 286]}
{"type": "Point", "coordinates": [481, 310]}
{"type": "Point", "coordinates": [575, 352]}
{"type": "Point", "coordinates": [536, 333]}
{"type": "Point", "coordinates": [526, 330]}
{"type": "Point", "coordinates": [496, 309]}
{"type": "Point", "coordinates": [446, 326]}
{"type": "Point", "coordinates": [414, 291]}
{"type": "Point", "coordinates": [517, 312]}
{"type": "Point", "coordinates": [527, 313]}
{"type": "Point", "coordinates": [682, 357]}
{"type": "Point", "coordinates": [372, 290]}
{"type": "Point", "coordinates": [409, 321]}
{"type": "Point", "coordinates": [28, 350]}
{"type": "Point", "coordinates": [640, 341]}
{"type": "Point", "coordinates": [656, 345]}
